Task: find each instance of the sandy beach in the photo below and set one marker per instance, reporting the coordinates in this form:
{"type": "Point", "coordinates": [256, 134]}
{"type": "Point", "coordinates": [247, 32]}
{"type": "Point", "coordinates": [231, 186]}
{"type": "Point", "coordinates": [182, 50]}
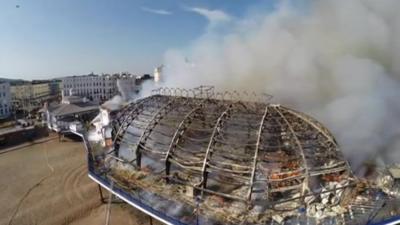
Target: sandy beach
{"type": "Point", "coordinates": [47, 183]}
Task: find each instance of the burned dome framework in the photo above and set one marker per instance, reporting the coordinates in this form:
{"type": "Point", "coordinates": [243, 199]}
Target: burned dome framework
{"type": "Point", "coordinates": [229, 159]}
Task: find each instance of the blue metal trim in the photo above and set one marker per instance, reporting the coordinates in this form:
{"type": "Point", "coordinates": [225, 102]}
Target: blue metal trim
{"type": "Point", "coordinates": [135, 201]}
{"type": "Point", "coordinates": [393, 220]}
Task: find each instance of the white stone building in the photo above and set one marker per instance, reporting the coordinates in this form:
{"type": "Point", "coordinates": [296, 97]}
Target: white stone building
{"type": "Point", "coordinates": [30, 96]}
{"type": "Point", "coordinates": [73, 110]}
{"type": "Point", "coordinates": [5, 100]}
{"type": "Point", "coordinates": [97, 88]}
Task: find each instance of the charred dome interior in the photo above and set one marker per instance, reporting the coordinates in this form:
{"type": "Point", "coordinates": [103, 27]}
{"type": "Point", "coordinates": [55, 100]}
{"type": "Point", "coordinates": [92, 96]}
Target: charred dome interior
{"type": "Point", "coordinates": [228, 160]}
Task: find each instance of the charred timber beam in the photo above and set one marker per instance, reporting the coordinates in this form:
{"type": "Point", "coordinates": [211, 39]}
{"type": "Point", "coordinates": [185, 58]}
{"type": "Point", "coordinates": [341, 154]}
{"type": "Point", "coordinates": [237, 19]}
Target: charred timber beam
{"type": "Point", "coordinates": [216, 130]}
{"type": "Point", "coordinates": [257, 148]}
{"type": "Point", "coordinates": [328, 171]}
{"type": "Point", "coordinates": [335, 165]}
{"type": "Point", "coordinates": [228, 170]}
{"type": "Point", "coordinates": [305, 182]}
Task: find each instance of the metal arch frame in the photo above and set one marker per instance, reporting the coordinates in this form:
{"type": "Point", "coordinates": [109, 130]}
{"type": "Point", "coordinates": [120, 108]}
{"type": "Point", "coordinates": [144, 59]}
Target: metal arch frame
{"type": "Point", "coordinates": [178, 134]}
{"type": "Point", "coordinates": [205, 91]}
{"type": "Point", "coordinates": [276, 108]}
{"type": "Point", "coordinates": [321, 129]}
{"type": "Point", "coordinates": [125, 111]}
{"type": "Point", "coordinates": [260, 130]}
{"type": "Point", "coordinates": [217, 126]}
{"type": "Point", "coordinates": [153, 122]}
{"type": "Point", "coordinates": [137, 109]}
{"type": "Point", "coordinates": [318, 127]}
{"type": "Point", "coordinates": [130, 109]}
{"type": "Point", "coordinates": [225, 121]}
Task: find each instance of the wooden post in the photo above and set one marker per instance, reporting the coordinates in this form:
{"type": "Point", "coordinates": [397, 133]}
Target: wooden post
{"type": "Point", "coordinates": [101, 194]}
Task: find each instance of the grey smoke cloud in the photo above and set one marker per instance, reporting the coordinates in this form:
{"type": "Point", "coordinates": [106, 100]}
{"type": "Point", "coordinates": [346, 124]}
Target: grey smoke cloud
{"type": "Point", "coordinates": [338, 61]}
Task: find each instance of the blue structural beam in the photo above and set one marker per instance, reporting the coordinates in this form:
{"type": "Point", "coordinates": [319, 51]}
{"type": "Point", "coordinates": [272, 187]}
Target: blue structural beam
{"type": "Point", "coordinates": [390, 221]}
{"type": "Point", "coordinates": [122, 194]}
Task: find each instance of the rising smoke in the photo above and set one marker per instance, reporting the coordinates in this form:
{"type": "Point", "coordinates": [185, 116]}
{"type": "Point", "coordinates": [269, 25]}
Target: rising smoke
{"type": "Point", "coordinates": [337, 60]}
{"type": "Point", "coordinates": [125, 94]}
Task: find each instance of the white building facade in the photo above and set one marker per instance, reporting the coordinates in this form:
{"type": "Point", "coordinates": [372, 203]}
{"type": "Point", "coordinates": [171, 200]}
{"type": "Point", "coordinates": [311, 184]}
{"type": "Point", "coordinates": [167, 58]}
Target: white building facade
{"type": "Point", "coordinates": [5, 100]}
{"type": "Point", "coordinates": [97, 88]}
{"type": "Point", "coordinates": [29, 96]}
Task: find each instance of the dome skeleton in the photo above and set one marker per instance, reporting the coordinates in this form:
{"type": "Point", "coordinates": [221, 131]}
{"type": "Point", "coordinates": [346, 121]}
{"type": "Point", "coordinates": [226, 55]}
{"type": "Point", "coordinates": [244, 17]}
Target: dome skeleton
{"type": "Point", "coordinates": [280, 121]}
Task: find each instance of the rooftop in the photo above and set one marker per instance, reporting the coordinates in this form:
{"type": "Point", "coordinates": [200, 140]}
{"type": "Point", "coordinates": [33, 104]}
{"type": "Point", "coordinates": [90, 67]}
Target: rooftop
{"type": "Point", "coordinates": [236, 159]}
{"type": "Point", "coordinates": [72, 105]}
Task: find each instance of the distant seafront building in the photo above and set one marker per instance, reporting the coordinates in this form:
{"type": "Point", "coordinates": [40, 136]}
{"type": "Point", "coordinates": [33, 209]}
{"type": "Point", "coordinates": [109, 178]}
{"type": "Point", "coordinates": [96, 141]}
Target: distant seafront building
{"type": "Point", "coordinates": [55, 87]}
{"type": "Point", "coordinates": [97, 88]}
{"type": "Point", "coordinates": [71, 111]}
{"type": "Point", "coordinates": [5, 100]}
{"type": "Point", "coordinates": [30, 96]}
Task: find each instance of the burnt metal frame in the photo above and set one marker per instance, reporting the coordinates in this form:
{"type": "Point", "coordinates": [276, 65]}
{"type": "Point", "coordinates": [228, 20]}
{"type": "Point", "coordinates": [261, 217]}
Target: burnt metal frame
{"type": "Point", "coordinates": [283, 112]}
{"type": "Point", "coordinates": [217, 127]}
{"type": "Point", "coordinates": [153, 122]}
{"type": "Point", "coordinates": [300, 147]}
{"type": "Point", "coordinates": [253, 172]}
{"type": "Point", "coordinates": [125, 111]}
{"type": "Point", "coordinates": [312, 122]}
{"type": "Point", "coordinates": [178, 134]}
{"type": "Point", "coordinates": [136, 109]}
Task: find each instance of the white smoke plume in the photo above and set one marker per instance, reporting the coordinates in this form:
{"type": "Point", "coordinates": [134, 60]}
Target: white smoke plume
{"type": "Point", "coordinates": [114, 103]}
{"type": "Point", "coordinates": [338, 60]}
{"type": "Point", "coordinates": [126, 94]}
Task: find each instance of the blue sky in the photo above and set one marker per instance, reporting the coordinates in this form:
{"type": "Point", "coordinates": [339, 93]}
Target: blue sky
{"type": "Point", "coordinates": [54, 38]}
